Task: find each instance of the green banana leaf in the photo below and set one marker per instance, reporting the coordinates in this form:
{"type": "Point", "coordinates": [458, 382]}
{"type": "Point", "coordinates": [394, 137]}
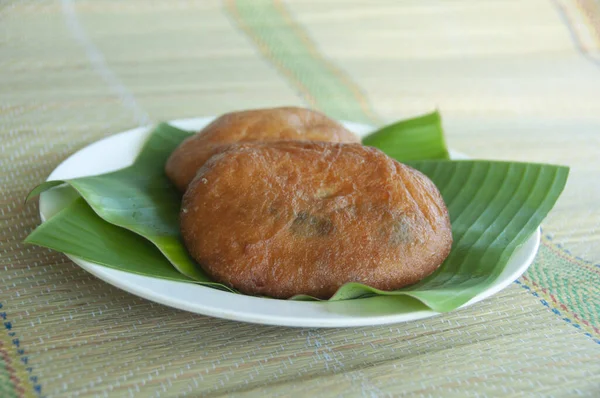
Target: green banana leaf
{"type": "Point", "coordinates": [413, 139]}
{"type": "Point", "coordinates": [494, 208]}
{"type": "Point", "coordinates": [89, 237]}
{"type": "Point", "coordinates": [141, 198]}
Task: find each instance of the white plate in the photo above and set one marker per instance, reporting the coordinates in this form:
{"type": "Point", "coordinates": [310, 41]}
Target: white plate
{"type": "Point", "coordinates": [124, 147]}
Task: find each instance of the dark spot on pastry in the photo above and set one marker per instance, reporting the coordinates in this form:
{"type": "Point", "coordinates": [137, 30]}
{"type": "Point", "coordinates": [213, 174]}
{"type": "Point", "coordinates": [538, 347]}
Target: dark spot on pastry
{"type": "Point", "coordinates": [401, 232]}
{"type": "Point", "coordinates": [308, 225]}
{"type": "Point", "coordinates": [274, 211]}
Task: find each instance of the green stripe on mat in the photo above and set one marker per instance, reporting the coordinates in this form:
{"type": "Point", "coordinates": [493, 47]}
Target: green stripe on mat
{"type": "Point", "coordinates": [16, 374]}
{"type": "Point", "coordinates": [7, 387]}
{"type": "Point", "coordinates": [9, 381]}
{"type": "Point", "coordinates": [566, 284]}
{"type": "Point", "coordinates": [283, 42]}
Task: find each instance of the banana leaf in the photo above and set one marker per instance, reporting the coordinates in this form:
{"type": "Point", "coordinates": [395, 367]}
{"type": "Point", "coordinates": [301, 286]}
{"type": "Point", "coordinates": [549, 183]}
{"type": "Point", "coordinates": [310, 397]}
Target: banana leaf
{"type": "Point", "coordinates": [494, 207]}
{"type": "Point", "coordinates": [141, 198]}
{"type": "Point", "coordinates": [418, 138]}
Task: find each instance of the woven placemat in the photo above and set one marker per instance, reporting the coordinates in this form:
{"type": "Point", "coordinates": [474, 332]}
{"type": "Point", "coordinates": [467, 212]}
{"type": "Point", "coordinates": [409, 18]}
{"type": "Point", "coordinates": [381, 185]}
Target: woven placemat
{"type": "Point", "coordinates": [500, 72]}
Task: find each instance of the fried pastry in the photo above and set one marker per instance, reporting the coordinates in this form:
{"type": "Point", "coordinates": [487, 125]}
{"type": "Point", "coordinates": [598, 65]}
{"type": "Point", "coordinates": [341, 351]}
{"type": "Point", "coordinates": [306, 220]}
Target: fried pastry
{"type": "Point", "coordinates": [291, 217]}
{"type": "Point", "coordinates": [286, 123]}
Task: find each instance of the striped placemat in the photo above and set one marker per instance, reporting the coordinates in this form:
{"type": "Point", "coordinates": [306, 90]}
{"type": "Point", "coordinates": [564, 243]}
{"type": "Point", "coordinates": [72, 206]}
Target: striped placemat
{"type": "Point", "coordinates": [513, 80]}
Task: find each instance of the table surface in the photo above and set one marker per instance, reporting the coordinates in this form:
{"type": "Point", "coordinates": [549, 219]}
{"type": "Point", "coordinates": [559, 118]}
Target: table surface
{"type": "Point", "coordinates": [513, 80]}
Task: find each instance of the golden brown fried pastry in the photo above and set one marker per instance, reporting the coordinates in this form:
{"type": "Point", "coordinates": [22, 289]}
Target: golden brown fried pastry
{"type": "Point", "coordinates": [287, 123]}
{"type": "Point", "coordinates": [291, 217]}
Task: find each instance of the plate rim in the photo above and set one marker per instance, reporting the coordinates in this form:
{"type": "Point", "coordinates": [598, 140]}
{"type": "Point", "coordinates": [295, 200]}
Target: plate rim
{"type": "Point", "coordinates": [118, 278]}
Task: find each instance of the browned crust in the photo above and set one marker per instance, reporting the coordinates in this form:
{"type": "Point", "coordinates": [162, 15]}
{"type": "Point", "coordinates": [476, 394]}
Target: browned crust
{"type": "Point", "coordinates": [286, 123]}
{"type": "Point", "coordinates": [289, 217]}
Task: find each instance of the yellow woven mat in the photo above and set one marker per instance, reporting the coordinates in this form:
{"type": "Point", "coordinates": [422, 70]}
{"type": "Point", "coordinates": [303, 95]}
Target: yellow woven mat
{"type": "Point", "coordinates": [513, 79]}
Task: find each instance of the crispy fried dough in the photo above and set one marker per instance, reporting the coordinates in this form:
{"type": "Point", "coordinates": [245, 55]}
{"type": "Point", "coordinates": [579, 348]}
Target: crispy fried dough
{"type": "Point", "coordinates": [288, 123]}
{"type": "Point", "coordinates": [290, 217]}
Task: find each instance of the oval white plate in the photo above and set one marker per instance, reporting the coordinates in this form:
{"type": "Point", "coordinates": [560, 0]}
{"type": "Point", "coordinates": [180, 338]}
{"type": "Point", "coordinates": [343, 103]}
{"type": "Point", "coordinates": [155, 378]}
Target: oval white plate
{"type": "Point", "coordinates": [123, 149]}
